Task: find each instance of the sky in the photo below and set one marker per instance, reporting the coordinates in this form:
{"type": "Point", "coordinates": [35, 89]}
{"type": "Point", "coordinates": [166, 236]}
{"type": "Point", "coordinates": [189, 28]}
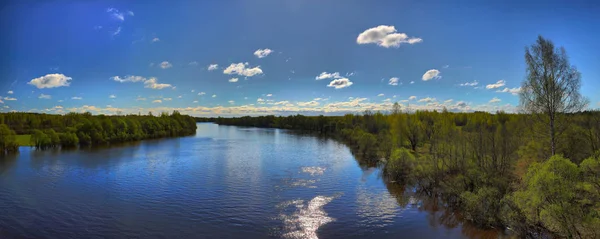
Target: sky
{"type": "Point", "coordinates": [233, 58]}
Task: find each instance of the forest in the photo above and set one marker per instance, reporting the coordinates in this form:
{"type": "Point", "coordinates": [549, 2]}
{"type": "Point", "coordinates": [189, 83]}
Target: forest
{"type": "Point", "coordinates": [75, 129]}
{"type": "Point", "coordinates": [535, 172]}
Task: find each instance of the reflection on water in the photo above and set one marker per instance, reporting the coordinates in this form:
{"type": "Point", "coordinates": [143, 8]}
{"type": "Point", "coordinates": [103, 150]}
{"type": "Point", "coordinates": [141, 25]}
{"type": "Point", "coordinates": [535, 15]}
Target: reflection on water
{"type": "Point", "coordinates": [307, 217]}
{"type": "Point", "coordinates": [224, 182]}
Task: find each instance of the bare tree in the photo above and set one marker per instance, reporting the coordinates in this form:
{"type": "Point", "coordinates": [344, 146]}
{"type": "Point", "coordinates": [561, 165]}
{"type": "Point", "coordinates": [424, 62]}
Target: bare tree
{"type": "Point", "coordinates": [551, 88]}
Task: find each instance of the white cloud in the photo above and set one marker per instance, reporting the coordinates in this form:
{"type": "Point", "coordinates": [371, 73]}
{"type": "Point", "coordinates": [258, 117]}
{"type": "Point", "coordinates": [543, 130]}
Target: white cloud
{"type": "Point", "coordinates": [153, 84]}
{"type": "Point", "coordinates": [446, 66]}
{"type": "Point", "coordinates": [448, 101]}
{"type": "Point", "coordinates": [193, 63]}
{"type": "Point", "coordinates": [496, 85]}
{"type": "Point", "coordinates": [165, 65]}
{"type": "Point", "coordinates": [51, 81]}
{"type": "Point", "coordinates": [129, 78]}
{"type": "Point", "coordinates": [112, 96]}
{"type": "Point", "coordinates": [156, 39]}
{"type": "Point", "coordinates": [116, 14]}
{"type": "Point", "coordinates": [201, 93]}
{"type": "Point", "coordinates": [117, 31]}
{"type": "Point", "coordinates": [380, 95]}
{"type": "Point", "coordinates": [325, 75]}
{"type": "Point", "coordinates": [60, 100]}
{"type": "Point", "coordinates": [474, 83]}
{"type": "Point", "coordinates": [269, 95]}
{"type": "Point", "coordinates": [193, 91]}
{"type": "Point", "coordinates": [9, 99]}
{"type": "Point", "coordinates": [427, 100]}
{"type": "Point", "coordinates": [167, 99]}
{"type": "Point", "coordinates": [412, 98]}
{"type": "Point", "coordinates": [494, 100]}
{"type": "Point", "coordinates": [385, 36]}
{"type": "Point", "coordinates": [240, 69]}
{"type": "Point", "coordinates": [130, 13]}
{"type": "Point", "coordinates": [195, 101]}
{"type": "Point", "coordinates": [317, 99]}
{"type": "Point", "coordinates": [231, 102]}
{"type": "Point", "coordinates": [412, 82]}
{"type": "Point", "coordinates": [309, 104]}
{"type": "Point", "coordinates": [1, 102]}
{"type": "Point", "coordinates": [76, 98]}
{"type": "Point", "coordinates": [340, 83]}
{"type": "Point", "coordinates": [514, 91]}
{"type": "Point", "coordinates": [214, 96]}
{"type": "Point", "coordinates": [10, 92]}
{"type": "Point", "coordinates": [213, 67]}
{"type": "Point", "coordinates": [393, 81]}
{"type": "Point", "coordinates": [461, 104]}
{"type": "Point", "coordinates": [261, 53]}
{"type": "Point", "coordinates": [47, 97]}
{"type": "Point", "coordinates": [233, 80]}
{"type": "Point", "coordinates": [179, 97]}
{"type": "Point", "coordinates": [431, 74]}
{"type": "Point", "coordinates": [260, 100]}
{"type": "Point", "coordinates": [139, 98]}
{"type": "Point", "coordinates": [157, 101]}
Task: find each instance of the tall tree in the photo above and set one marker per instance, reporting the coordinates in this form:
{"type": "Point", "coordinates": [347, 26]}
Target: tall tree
{"type": "Point", "coordinates": [551, 87]}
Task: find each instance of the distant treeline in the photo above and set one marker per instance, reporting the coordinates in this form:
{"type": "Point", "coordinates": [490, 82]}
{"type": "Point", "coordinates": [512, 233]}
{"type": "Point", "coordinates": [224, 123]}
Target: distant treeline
{"type": "Point", "coordinates": [496, 169]}
{"type": "Point", "coordinates": [74, 129]}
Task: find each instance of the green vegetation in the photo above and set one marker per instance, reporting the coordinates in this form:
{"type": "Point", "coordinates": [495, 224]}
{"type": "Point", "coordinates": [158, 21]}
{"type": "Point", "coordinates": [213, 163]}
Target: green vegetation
{"type": "Point", "coordinates": [51, 131]}
{"type": "Point", "coordinates": [536, 173]}
{"type": "Point", "coordinates": [24, 140]}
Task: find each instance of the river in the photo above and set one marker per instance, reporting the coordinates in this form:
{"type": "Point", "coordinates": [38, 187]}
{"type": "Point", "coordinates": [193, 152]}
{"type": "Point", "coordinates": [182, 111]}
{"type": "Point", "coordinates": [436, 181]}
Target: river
{"type": "Point", "coordinates": [224, 182]}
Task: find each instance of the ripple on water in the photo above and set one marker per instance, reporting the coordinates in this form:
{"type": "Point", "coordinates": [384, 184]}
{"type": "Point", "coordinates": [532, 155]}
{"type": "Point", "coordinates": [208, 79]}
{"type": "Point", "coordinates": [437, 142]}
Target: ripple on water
{"type": "Point", "coordinates": [313, 170]}
{"type": "Point", "coordinates": [306, 219]}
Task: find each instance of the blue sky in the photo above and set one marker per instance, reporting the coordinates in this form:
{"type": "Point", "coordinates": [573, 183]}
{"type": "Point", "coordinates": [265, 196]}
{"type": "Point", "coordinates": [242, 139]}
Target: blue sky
{"type": "Point", "coordinates": [140, 56]}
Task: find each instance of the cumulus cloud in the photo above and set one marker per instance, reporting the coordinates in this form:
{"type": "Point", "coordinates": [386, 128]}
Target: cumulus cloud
{"type": "Point", "coordinates": [412, 82]}
{"type": "Point", "coordinates": [474, 83]}
{"type": "Point", "coordinates": [461, 104]}
{"type": "Point", "coordinates": [214, 96]}
{"type": "Point", "coordinates": [393, 81]}
{"type": "Point", "coordinates": [156, 39]}
{"type": "Point", "coordinates": [51, 81]}
{"type": "Point", "coordinates": [494, 100]}
{"type": "Point", "coordinates": [10, 92]}
{"type": "Point", "coordinates": [213, 67]}
{"type": "Point", "coordinates": [431, 74]}
{"type": "Point", "coordinates": [269, 95]}
{"type": "Point", "coordinates": [152, 83]}
{"type": "Point", "coordinates": [514, 91]}
{"type": "Point", "coordinates": [233, 80]}
{"type": "Point", "coordinates": [165, 65]}
{"type": "Point", "coordinates": [380, 95]}
{"type": "Point", "coordinates": [129, 78]}
{"type": "Point", "coordinates": [76, 98]}
{"type": "Point", "coordinates": [201, 93]}
{"type": "Point", "coordinates": [448, 101]}
{"type": "Point", "coordinates": [261, 53]}
{"type": "Point", "coordinates": [157, 101]}
{"type": "Point", "coordinates": [167, 99]}
{"type": "Point", "coordinates": [496, 85]}
{"type": "Point", "coordinates": [412, 98]}
{"type": "Point", "coordinates": [10, 98]}
{"type": "Point", "coordinates": [340, 83]}
{"type": "Point", "coordinates": [240, 69]}
{"type": "Point", "coordinates": [112, 96]}
{"type": "Point", "coordinates": [385, 36]}
{"type": "Point", "coordinates": [46, 97]}
{"type": "Point", "coordinates": [325, 75]}
{"type": "Point", "coordinates": [195, 101]}
{"type": "Point", "coordinates": [231, 102]}
{"type": "Point", "coordinates": [427, 100]}
{"type": "Point", "coordinates": [308, 104]}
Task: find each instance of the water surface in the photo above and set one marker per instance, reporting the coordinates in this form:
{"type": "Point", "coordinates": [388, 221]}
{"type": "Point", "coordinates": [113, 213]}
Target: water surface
{"type": "Point", "coordinates": [224, 182]}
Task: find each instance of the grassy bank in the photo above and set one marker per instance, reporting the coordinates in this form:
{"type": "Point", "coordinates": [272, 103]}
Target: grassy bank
{"type": "Point", "coordinates": [24, 140]}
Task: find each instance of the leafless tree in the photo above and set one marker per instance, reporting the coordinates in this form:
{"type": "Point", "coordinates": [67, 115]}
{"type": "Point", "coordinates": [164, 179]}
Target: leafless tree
{"type": "Point", "coordinates": [551, 87]}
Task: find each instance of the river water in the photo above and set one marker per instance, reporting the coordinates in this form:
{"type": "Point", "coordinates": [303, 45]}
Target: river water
{"type": "Point", "coordinates": [224, 182]}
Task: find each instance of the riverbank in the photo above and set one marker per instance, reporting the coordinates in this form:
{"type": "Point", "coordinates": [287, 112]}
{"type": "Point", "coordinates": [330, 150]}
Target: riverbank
{"type": "Point", "coordinates": [493, 168]}
{"type": "Point", "coordinates": [45, 131]}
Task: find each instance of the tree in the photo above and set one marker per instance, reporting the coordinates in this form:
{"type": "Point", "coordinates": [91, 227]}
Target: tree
{"type": "Point", "coordinates": [551, 87]}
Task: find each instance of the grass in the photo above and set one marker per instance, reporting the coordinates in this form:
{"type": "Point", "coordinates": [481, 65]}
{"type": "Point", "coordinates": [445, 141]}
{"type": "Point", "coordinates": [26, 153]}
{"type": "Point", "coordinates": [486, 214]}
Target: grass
{"type": "Point", "coordinates": [23, 140]}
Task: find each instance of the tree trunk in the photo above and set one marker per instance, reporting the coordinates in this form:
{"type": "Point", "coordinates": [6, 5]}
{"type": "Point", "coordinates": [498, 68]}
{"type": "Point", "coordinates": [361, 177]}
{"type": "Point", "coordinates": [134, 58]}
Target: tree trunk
{"type": "Point", "coordinates": [552, 135]}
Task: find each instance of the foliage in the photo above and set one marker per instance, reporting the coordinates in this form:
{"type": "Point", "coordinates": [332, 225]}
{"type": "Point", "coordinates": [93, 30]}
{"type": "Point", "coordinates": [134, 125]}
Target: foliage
{"type": "Point", "coordinates": [73, 129]}
{"type": "Point", "coordinates": [8, 141]}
